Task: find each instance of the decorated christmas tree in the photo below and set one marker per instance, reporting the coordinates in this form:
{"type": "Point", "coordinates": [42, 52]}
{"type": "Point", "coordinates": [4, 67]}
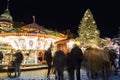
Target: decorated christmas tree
{"type": "Point", "coordinates": [88, 32]}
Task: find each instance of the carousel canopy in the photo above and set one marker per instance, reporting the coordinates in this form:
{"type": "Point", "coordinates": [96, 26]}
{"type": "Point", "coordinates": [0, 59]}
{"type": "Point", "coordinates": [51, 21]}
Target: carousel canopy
{"type": "Point", "coordinates": [36, 29]}
{"type": "Point", "coordinates": [31, 28]}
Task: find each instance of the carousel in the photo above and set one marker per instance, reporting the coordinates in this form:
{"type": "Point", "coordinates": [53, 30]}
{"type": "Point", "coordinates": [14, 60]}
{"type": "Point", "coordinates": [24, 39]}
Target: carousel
{"type": "Point", "coordinates": [31, 39]}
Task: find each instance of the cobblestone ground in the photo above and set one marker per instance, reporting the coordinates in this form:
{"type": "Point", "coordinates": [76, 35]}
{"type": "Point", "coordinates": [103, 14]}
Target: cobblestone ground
{"type": "Point", "coordinates": [37, 75]}
{"type": "Point", "coordinates": [28, 75]}
{"type": "Point", "coordinates": [41, 75]}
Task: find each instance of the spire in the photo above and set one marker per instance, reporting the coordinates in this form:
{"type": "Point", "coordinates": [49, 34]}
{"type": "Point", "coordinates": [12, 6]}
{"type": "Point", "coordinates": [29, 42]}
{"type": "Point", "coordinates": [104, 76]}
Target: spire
{"type": "Point", "coordinates": [7, 9]}
{"type": "Point", "coordinates": [8, 5]}
{"type": "Point", "coordinates": [33, 19]}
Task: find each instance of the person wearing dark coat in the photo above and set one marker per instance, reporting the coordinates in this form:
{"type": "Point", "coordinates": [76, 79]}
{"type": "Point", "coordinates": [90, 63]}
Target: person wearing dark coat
{"type": "Point", "coordinates": [18, 58]}
{"type": "Point", "coordinates": [73, 62]}
{"type": "Point", "coordinates": [1, 56]}
{"type": "Point", "coordinates": [48, 58]}
{"type": "Point", "coordinates": [59, 64]}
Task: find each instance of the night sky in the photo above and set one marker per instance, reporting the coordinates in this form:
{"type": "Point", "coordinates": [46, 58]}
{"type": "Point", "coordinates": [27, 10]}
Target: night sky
{"type": "Point", "coordinates": [61, 15]}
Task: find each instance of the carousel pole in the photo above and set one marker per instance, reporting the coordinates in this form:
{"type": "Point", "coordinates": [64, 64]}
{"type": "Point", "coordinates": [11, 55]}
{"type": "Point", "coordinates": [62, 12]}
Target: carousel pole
{"type": "Point", "coordinates": [33, 19]}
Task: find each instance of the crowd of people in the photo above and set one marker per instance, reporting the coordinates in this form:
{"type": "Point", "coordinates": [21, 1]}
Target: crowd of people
{"type": "Point", "coordinates": [72, 61]}
{"type": "Point", "coordinates": [97, 61]}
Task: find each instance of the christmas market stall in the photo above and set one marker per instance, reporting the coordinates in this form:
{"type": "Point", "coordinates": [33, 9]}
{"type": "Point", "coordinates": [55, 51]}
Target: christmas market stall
{"type": "Point", "coordinates": [66, 44]}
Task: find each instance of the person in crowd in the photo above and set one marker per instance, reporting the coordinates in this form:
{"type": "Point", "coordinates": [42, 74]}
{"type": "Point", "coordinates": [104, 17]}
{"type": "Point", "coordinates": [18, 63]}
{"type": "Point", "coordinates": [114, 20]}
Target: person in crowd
{"type": "Point", "coordinates": [18, 58]}
{"type": "Point", "coordinates": [48, 58]}
{"type": "Point", "coordinates": [40, 56]}
{"type": "Point", "coordinates": [113, 56]}
{"type": "Point", "coordinates": [59, 64]}
{"type": "Point", "coordinates": [1, 57]}
{"type": "Point", "coordinates": [16, 63]}
{"type": "Point", "coordinates": [117, 52]}
{"type": "Point", "coordinates": [73, 62]}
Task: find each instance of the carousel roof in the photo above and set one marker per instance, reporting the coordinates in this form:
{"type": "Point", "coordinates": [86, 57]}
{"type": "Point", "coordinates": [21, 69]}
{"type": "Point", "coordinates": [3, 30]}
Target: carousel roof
{"type": "Point", "coordinates": [35, 28]}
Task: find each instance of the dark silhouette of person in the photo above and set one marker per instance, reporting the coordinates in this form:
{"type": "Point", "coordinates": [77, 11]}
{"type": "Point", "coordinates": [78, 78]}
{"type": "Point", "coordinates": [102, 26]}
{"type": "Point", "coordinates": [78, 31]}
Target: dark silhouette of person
{"type": "Point", "coordinates": [48, 58]}
{"type": "Point", "coordinates": [59, 64]}
{"type": "Point", "coordinates": [18, 58]}
{"type": "Point", "coordinates": [1, 56]}
{"type": "Point", "coordinates": [73, 62]}
{"type": "Point", "coordinates": [16, 62]}
{"type": "Point", "coordinates": [113, 56]}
